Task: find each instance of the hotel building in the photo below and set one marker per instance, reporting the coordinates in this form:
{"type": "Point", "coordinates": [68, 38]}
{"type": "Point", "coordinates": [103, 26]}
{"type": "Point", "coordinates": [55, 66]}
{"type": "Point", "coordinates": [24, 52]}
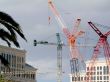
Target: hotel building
{"type": "Point", "coordinates": [19, 70]}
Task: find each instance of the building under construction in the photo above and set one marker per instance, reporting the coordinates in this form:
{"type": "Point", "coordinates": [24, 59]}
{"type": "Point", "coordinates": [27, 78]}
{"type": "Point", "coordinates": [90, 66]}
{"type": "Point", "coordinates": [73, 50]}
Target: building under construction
{"type": "Point", "coordinates": [100, 72]}
{"type": "Point", "coordinates": [75, 57]}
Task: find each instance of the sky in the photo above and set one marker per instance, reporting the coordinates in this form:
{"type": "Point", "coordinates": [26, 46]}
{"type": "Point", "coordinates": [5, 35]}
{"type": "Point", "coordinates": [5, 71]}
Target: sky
{"type": "Point", "coordinates": [32, 15]}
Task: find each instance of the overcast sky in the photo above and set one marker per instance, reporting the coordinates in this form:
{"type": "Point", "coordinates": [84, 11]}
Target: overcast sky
{"type": "Point", "coordinates": [32, 15]}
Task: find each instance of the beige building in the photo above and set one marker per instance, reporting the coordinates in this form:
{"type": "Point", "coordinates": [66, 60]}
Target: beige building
{"type": "Point", "coordinates": [100, 73]}
{"type": "Point", "coordinates": [19, 70]}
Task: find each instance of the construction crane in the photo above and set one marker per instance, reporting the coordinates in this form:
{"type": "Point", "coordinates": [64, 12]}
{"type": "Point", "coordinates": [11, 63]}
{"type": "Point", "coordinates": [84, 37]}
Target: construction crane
{"type": "Point", "coordinates": [59, 45]}
{"type": "Point", "coordinates": [100, 25]}
{"type": "Point", "coordinates": [71, 37]}
{"type": "Point", "coordinates": [102, 42]}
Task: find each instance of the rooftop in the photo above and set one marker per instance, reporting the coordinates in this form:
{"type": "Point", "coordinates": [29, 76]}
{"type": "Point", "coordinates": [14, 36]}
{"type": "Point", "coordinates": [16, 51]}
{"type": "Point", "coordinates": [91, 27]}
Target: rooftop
{"type": "Point", "coordinates": [30, 67]}
{"type": "Point", "coordinates": [100, 60]}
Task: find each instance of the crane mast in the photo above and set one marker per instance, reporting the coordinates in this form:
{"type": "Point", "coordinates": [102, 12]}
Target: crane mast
{"type": "Point", "coordinates": [59, 45]}
{"type": "Point", "coordinates": [59, 58]}
{"type": "Point", "coordinates": [71, 37]}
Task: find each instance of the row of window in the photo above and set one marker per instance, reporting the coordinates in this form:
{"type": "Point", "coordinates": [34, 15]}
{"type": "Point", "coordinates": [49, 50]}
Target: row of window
{"type": "Point", "coordinates": [17, 73]}
{"type": "Point", "coordinates": [106, 78]}
{"type": "Point", "coordinates": [27, 76]}
{"type": "Point", "coordinates": [105, 71]}
{"type": "Point", "coordinates": [15, 61]}
{"type": "Point", "coordinates": [97, 68]}
{"type": "Point", "coordinates": [98, 73]}
{"type": "Point", "coordinates": [100, 78]}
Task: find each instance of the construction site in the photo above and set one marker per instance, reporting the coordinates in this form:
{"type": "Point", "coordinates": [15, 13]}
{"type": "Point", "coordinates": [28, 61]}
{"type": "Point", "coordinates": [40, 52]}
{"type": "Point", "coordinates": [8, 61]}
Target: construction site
{"type": "Point", "coordinates": [67, 42]}
{"type": "Point", "coordinates": [94, 69]}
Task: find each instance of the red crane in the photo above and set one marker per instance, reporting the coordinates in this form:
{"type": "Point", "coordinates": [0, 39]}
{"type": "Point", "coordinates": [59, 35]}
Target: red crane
{"type": "Point", "coordinates": [71, 37]}
{"type": "Point", "coordinates": [102, 42]}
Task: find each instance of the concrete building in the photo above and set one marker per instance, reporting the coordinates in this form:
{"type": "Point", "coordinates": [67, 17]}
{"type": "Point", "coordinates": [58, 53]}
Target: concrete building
{"type": "Point", "coordinates": [19, 70]}
{"type": "Point", "coordinates": [100, 73]}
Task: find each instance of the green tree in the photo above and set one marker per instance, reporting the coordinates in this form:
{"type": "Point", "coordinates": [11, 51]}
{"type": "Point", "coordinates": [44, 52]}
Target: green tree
{"type": "Point", "coordinates": [2, 78]}
{"type": "Point", "coordinates": [9, 35]}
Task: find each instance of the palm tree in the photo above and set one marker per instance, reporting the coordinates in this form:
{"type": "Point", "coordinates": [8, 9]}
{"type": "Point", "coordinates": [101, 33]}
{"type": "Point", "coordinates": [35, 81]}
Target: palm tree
{"type": "Point", "coordinates": [9, 36]}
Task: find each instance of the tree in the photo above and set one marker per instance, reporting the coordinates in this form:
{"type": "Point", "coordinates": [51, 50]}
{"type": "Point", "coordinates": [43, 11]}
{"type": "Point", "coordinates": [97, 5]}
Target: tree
{"type": "Point", "coordinates": [2, 78]}
{"type": "Point", "coordinates": [9, 36]}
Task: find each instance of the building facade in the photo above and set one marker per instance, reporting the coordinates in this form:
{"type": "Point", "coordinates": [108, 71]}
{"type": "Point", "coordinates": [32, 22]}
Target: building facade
{"type": "Point", "coordinates": [100, 73]}
{"type": "Point", "coordinates": [19, 70]}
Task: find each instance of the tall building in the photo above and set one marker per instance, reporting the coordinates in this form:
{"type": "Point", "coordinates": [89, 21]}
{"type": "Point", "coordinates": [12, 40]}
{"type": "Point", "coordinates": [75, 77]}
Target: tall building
{"type": "Point", "coordinates": [100, 73]}
{"type": "Point", "coordinates": [19, 70]}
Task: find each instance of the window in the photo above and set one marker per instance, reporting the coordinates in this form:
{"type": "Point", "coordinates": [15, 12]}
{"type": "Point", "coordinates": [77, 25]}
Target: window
{"type": "Point", "coordinates": [100, 77]}
{"type": "Point", "coordinates": [22, 60]}
{"type": "Point", "coordinates": [73, 79]}
{"type": "Point", "coordinates": [97, 67]}
{"type": "Point", "coordinates": [97, 77]}
{"type": "Point", "coordinates": [94, 68]}
{"type": "Point", "coordinates": [78, 78]}
{"type": "Point", "coordinates": [87, 68]}
{"type": "Point", "coordinates": [100, 72]}
{"type": "Point", "coordinates": [100, 67]}
{"type": "Point", "coordinates": [105, 70]}
{"type": "Point", "coordinates": [81, 78]}
{"type": "Point", "coordinates": [106, 77]}
{"type": "Point", "coordinates": [9, 58]}
{"type": "Point", "coordinates": [94, 73]}
{"type": "Point", "coordinates": [97, 73]}
{"type": "Point", "coordinates": [94, 78]}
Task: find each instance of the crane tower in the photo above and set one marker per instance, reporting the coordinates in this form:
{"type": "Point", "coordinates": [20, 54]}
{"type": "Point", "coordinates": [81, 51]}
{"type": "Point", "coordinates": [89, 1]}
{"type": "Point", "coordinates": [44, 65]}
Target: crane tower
{"type": "Point", "coordinates": [102, 42]}
{"type": "Point", "coordinates": [71, 37]}
{"type": "Point", "coordinates": [59, 45]}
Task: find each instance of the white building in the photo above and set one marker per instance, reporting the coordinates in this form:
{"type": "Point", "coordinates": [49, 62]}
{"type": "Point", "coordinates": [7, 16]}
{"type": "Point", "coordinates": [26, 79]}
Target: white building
{"type": "Point", "coordinates": [100, 72]}
{"type": "Point", "coordinates": [19, 70]}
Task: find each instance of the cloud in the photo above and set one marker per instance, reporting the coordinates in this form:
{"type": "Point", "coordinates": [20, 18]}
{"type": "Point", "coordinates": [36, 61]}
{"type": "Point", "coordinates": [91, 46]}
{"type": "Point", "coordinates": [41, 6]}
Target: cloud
{"type": "Point", "coordinates": [32, 15]}
{"type": "Point", "coordinates": [83, 5]}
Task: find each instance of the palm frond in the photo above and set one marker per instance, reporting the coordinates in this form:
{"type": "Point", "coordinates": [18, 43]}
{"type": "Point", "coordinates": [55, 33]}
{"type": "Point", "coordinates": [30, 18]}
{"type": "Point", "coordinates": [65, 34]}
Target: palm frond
{"type": "Point", "coordinates": [5, 35]}
{"type": "Point", "coordinates": [4, 61]}
{"type": "Point", "coordinates": [13, 28]}
{"type": "Point", "coordinates": [8, 27]}
{"type": "Point", "coordinates": [3, 38]}
{"type": "Point", "coordinates": [21, 34]}
{"type": "Point", "coordinates": [8, 21]}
